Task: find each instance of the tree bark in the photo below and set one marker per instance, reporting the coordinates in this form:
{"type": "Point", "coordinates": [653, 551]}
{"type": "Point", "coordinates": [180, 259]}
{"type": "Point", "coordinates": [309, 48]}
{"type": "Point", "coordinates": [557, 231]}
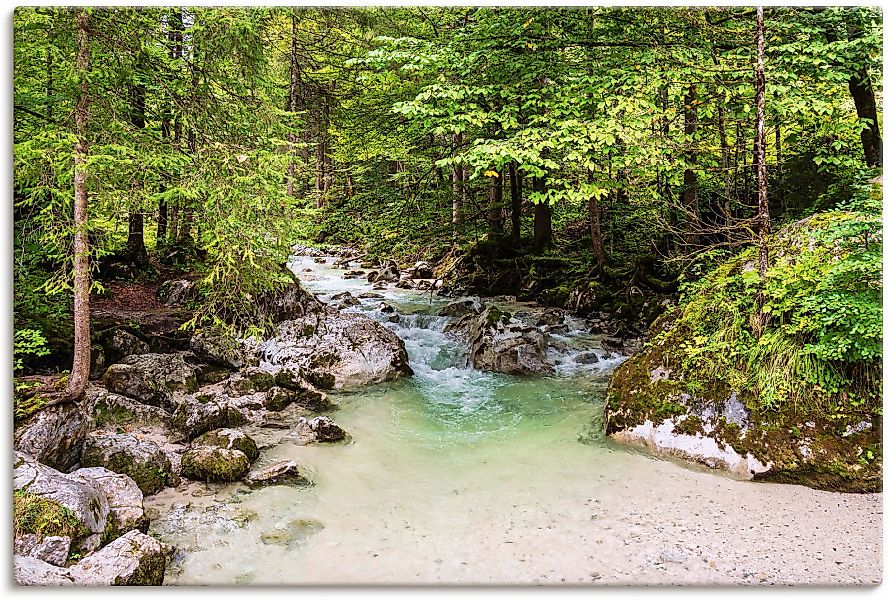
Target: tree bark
{"type": "Point", "coordinates": [495, 207]}
{"type": "Point", "coordinates": [292, 104]}
{"type": "Point", "coordinates": [515, 191]}
{"type": "Point", "coordinates": [136, 251]}
{"type": "Point", "coordinates": [457, 185]}
{"type": "Point", "coordinates": [760, 168]}
{"type": "Point", "coordinates": [690, 202]}
{"type": "Point", "coordinates": [866, 106]}
{"type": "Point", "coordinates": [80, 368]}
{"type": "Point", "coordinates": [595, 228]}
{"type": "Point", "coordinates": [543, 222]}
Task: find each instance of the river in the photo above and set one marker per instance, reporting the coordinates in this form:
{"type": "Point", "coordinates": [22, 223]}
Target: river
{"type": "Point", "coordinates": [461, 476]}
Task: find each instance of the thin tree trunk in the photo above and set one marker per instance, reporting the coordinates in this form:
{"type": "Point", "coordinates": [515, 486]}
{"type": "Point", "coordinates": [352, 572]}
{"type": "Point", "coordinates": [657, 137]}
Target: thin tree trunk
{"type": "Point", "coordinates": [457, 185]}
{"type": "Point", "coordinates": [543, 223]}
{"type": "Point", "coordinates": [136, 251]}
{"type": "Point", "coordinates": [595, 227]}
{"type": "Point", "coordinates": [162, 204]}
{"type": "Point", "coordinates": [495, 207]}
{"type": "Point", "coordinates": [515, 191]}
{"type": "Point", "coordinates": [760, 168]}
{"type": "Point", "coordinates": [80, 369]}
{"type": "Point", "coordinates": [50, 36]}
{"type": "Point", "coordinates": [690, 177]}
{"type": "Point", "coordinates": [292, 105]}
{"type": "Point", "coordinates": [726, 152]}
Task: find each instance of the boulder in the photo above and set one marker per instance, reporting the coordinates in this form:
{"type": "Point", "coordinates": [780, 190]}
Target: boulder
{"type": "Point", "coordinates": [279, 398]}
{"type": "Point", "coordinates": [218, 349]}
{"type": "Point", "coordinates": [140, 459]}
{"type": "Point", "coordinates": [459, 308]}
{"type": "Point", "coordinates": [175, 292]}
{"type": "Point", "coordinates": [80, 510]}
{"type": "Point", "coordinates": [31, 571]}
{"type": "Point", "coordinates": [132, 559]}
{"type": "Point", "coordinates": [98, 360]}
{"type": "Point", "coordinates": [106, 409]}
{"type": "Point", "coordinates": [249, 381]}
{"type": "Point", "coordinates": [124, 499]}
{"type": "Point", "coordinates": [344, 300]}
{"type": "Point", "coordinates": [319, 429]}
{"type": "Point", "coordinates": [586, 358]}
{"type": "Point", "coordinates": [332, 349]}
{"type": "Point", "coordinates": [204, 412]}
{"type": "Point", "coordinates": [54, 435]}
{"type": "Point", "coordinates": [119, 343]}
{"type": "Point", "coordinates": [421, 270]}
{"type": "Point", "coordinates": [230, 439]}
{"type": "Point", "coordinates": [52, 549]}
{"type": "Point", "coordinates": [499, 344]}
{"type": "Point", "coordinates": [213, 464]}
{"type": "Point", "coordinates": [151, 378]}
{"type": "Point", "coordinates": [280, 473]}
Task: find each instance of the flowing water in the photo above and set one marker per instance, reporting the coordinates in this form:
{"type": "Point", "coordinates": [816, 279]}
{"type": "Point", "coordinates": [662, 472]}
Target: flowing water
{"type": "Point", "coordinates": [461, 476]}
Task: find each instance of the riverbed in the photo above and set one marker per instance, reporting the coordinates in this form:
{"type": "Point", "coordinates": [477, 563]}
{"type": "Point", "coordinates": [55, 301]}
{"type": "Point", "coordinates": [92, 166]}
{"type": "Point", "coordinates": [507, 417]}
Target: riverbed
{"type": "Point", "coordinates": [465, 477]}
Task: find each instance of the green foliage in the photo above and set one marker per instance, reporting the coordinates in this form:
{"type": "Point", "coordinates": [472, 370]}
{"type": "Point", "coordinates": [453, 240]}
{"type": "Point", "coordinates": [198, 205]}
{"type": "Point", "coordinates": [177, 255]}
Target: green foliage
{"type": "Point", "coordinates": [27, 342]}
{"type": "Point", "coordinates": [43, 517]}
{"type": "Point", "coordinates": [823, 298]}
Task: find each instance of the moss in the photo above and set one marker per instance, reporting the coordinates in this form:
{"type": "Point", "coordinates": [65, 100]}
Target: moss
{"type": "Point", "coordinates": [261, 380]}
{"type": "Point", "coordinates": [43, 517]}
{"type": "Point", "coordinates": [214, 464]}
{"type": "Point", "coordinates": [243, 443]}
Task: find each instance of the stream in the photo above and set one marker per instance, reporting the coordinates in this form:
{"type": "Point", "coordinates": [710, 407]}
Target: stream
{"type": "Point", "coordinates": [462, 476]}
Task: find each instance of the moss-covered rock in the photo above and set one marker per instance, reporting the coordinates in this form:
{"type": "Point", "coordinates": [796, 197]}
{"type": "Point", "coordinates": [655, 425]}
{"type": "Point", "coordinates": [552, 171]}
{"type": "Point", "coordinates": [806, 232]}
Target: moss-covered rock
{"type": "Point", "coordinates": [773, 406]}
{"type": "Point", "coordinates": [231, 439]}
{"type": "Point", "coordinates": [142, 460]}
{"type": "Point", "coordinates": [213, 464]}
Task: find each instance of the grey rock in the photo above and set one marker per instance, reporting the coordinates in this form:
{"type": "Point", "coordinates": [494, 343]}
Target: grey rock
{"type": "Point", "coordinates": [459, 308]}
{"type": "Point", "coordinates": [87, 503]}
{"type": "Point", "coordinates": [230, 439]}
{"type": "Point", "coordinates": [31, 571]}
{"type": "Point", "coordinates": [500, 345]}
{"type": "Point", "coordinates": [132, 559]}
{"type": "Point", "coordinates": [279, 473]}
{"type": "Point", "coordinates": [125, 500]}
{"type": "Point", "coordinates": [587, 358]}
{"type": "Point", "coordinates": [200, 413]}
{"type": "Point", "coordinates": [54, 435]}
{"type": "Point", "coordinates": [119, 343]}
{"type": "Point", "coordinates": [106, 409]}
{"type": "Point", "coordinates": [177, 291]}
{"type": "Point", "coordinates": [219, 349]}
{"type": "Point", "coordinates": [319, 429]}
{"type": "Point", "coordinates": [151, 378]}
{"type": "Point", "coordinates": [52, 549]}
{"type": "Point", "coordinates": [212, 464]}
{"type": "Point", "coordinates": [249, 381]}
{"type": "Point", "coordinates": [124, 453]}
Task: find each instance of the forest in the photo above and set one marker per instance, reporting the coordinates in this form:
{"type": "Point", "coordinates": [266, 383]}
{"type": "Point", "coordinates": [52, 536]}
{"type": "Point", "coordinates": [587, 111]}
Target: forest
{"type": "Point", "coordinates": [701, 185]}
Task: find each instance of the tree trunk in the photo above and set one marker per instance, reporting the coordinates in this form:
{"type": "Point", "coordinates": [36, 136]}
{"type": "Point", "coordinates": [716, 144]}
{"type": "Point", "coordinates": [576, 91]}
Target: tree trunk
{"type": "Point", "coordinates": [187, 212]}
{"type": "Point", "coordinates": [50, 37]}
{"type": "Point", "coordinates": [292, 105]}
{"type": "Point", "coordinates": [595, 228]}
{"type": "Point", "coordinates": [457, 184]}
{"type": "Point", "coordinates": [162, 204]}
{"type": "Point", "coordinates": [495, 207]}
{"type": "Point", "coordinates": [515, 191]}
{"type": "Point", "coordinates": [80, 369]}
{"type": "Point", "coordinates": [760, 168]}
{"type": "Point", "coordinates": [690, 177]}
{"type": "Point", "coordinates": [866, 106]}
{"type": "Point", "coordinates": [726, 152]}
{"type": "Point", "coordinates": [543, 222]}
{"type": "Point", "coordinates": [136, 251]}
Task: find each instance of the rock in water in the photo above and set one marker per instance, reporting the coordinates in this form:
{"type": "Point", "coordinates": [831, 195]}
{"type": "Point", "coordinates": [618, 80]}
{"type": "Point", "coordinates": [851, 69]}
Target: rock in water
{"type": "Point", "coordinates": [140, 459]}
{"type": "Point", "coordinates": [54, 435]}
{"type": "Point", "coordinates": [498, 344]}
{"type": "Point", "coordinates": [283, 472]}
{"type": "Point", "coordinates": [212, 464]}
{"type": "Point", "coordinates": [337, 350]}
{"type": "Point", "coordinates": [319, 429]}
{"type": "Point", "coordinates": [132, 559]}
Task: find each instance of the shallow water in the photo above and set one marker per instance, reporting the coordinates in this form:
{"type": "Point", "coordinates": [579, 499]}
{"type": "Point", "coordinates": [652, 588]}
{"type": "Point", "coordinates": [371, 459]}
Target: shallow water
{"type": "Point", "coordinates": [461, 476]}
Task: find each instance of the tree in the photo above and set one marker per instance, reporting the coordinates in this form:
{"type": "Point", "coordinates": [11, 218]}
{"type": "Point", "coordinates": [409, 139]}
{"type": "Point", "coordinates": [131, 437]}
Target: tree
{"type": "Point", "coordinates": [764, 224]}
{"type": "Point", "coordinates": [80, 369]}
